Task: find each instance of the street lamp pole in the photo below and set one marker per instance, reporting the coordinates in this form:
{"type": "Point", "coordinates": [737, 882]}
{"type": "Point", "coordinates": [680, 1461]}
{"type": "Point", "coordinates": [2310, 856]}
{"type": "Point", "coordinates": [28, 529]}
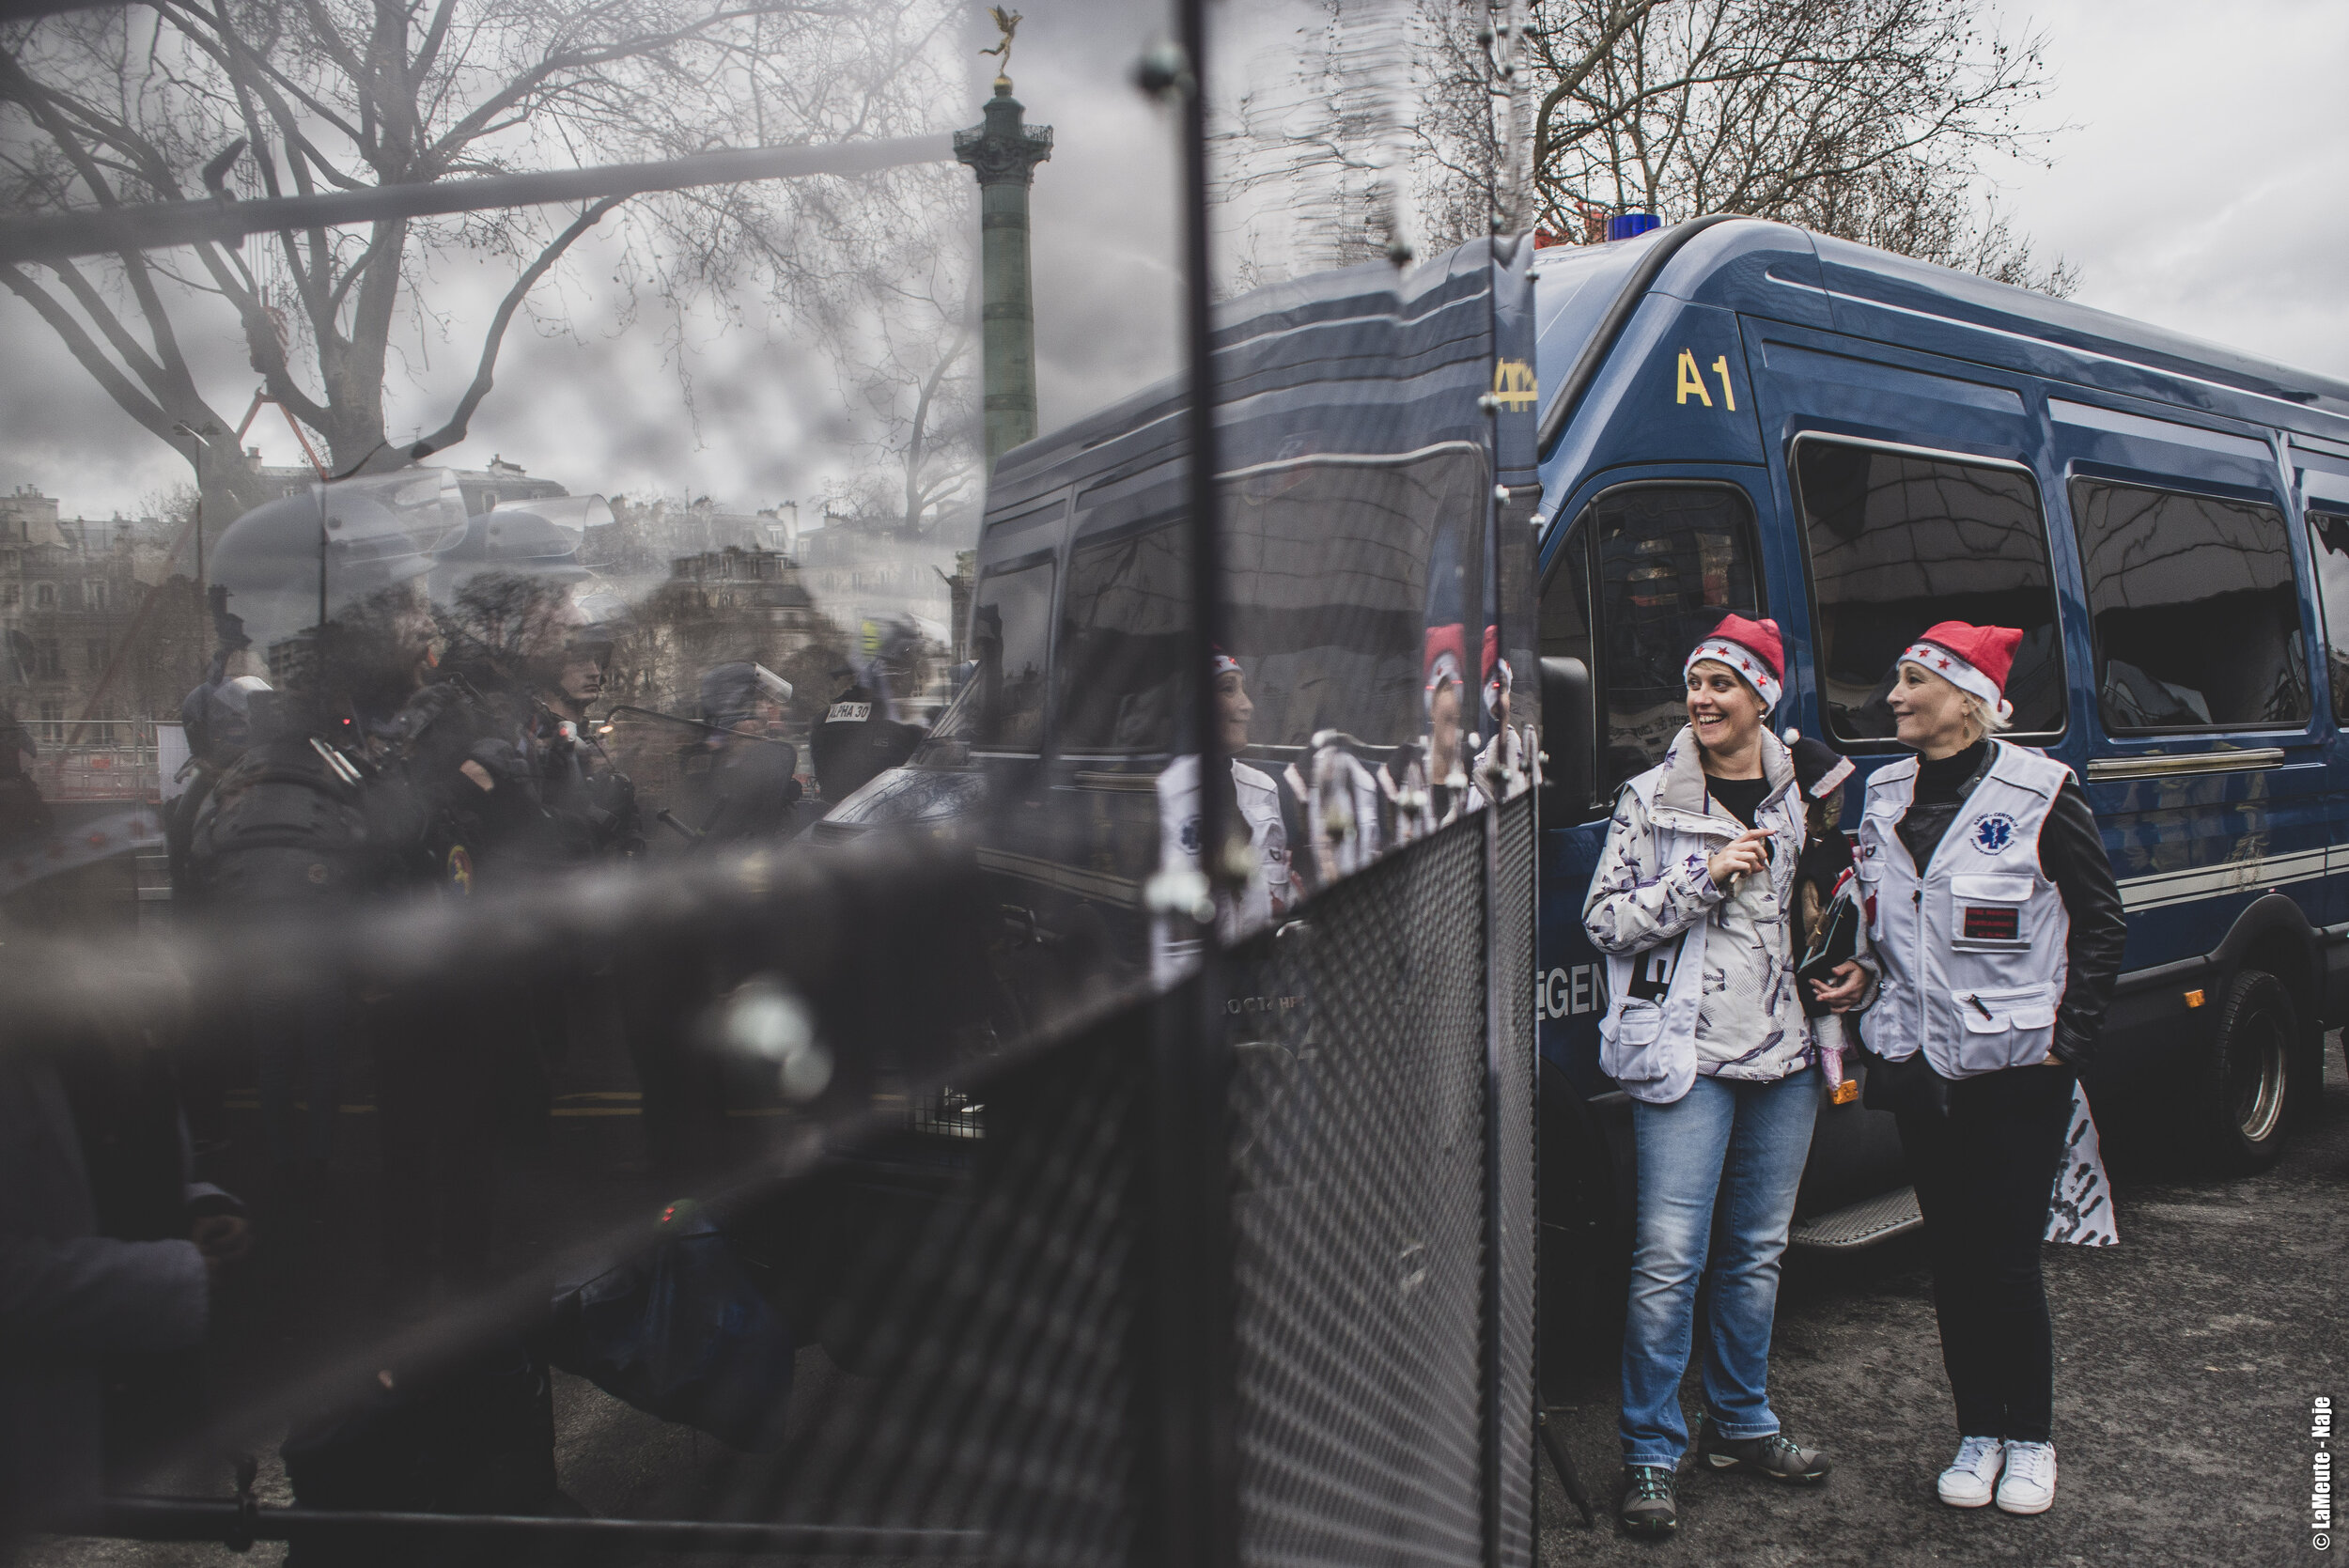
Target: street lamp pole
{"type": "Point", "coordinates": [1004, 151]}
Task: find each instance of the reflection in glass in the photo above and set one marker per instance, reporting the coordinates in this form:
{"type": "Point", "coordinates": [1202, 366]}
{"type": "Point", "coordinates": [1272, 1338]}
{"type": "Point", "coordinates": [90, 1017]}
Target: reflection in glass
{"type": "Point", "coordinates": [1011, 631]}
{"type": "Point", "coordinates": [2329, 542]}
{"type": "Point", "coordinates": [1123, 634]}
{"type": "Point", "coordinates": [2195, 613]}
{"type": "Point", "coordinates": [1900, 543]}
{"type": "Point", "coordinates": [1672, 560]}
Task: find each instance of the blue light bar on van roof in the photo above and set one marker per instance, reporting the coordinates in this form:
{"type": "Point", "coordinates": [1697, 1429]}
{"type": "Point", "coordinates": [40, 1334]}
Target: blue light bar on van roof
{"type": "Point", "coordinates": [1629, 225]}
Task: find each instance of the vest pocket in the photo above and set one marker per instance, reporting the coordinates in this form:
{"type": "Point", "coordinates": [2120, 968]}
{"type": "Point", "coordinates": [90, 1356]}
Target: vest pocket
{"type": "Point", "coordinates": [1989, 914]}
{"type": "Point", "coordinates": [1630, 1045]}
{"type": "Point", "coordinates": [1887, 1027]}
{"type": "Point", "coordinates": [2004, 1029]}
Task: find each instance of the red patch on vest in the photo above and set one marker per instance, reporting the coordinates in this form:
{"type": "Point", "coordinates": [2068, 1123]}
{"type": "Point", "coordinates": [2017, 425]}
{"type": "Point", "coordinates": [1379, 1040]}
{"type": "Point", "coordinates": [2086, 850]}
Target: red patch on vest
{"type": "Point", "coordinates": [1995, 924]}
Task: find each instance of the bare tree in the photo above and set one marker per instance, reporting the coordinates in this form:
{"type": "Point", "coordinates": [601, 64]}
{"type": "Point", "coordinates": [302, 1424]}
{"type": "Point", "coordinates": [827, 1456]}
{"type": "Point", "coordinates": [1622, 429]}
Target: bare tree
{"type": "Point", "coordinates": [902, 326]}
{"type": "Point", "coordinates": [128, 104]}
{"type": "Point", "coordinates": [1865, 118]}
{"type": "Point", "coordinates": [1388, 133]}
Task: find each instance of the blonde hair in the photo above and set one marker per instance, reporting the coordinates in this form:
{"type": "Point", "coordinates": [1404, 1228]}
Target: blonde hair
{"type": "Point", "coordinates": [1982, 717]}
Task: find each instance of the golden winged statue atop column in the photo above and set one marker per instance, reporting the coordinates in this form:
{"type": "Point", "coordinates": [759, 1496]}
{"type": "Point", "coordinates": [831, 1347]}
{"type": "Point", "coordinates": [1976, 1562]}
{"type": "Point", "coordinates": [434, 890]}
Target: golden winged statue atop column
{"type": "Point", "coordinates": [1009, 22]}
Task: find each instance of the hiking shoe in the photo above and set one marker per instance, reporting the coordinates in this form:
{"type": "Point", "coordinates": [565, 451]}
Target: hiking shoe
{"type": "Point", "coordinates": [1974, 1473]}
{"type": "Point", "coordinates": [1647, 1500]}
{"type": "Point", "coordinates": [2031, 1478]}
{"type": "Point", "coordinates": [1777, 1456]}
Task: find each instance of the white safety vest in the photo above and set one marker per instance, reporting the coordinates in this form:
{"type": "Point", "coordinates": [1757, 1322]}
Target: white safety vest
{"type": "Point", "coordinates": [1973, 949]}
{"type": "Point", "coordinates": [1266, 894]}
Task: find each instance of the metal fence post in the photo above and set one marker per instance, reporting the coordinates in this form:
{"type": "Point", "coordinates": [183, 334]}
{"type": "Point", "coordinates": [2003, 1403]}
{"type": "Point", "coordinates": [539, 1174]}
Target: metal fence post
{"type": "Point", "coordinates": [1189, 1516]}
{"type": "Point", "coordinates": [1492, 1408]}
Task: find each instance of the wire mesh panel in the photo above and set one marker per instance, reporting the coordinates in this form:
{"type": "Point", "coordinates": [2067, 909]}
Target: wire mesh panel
{"type": "Point", "coordinates": [869, 921]}
{"type": "Point", "coordinates": [1359, 1216]}
{"type": "Point", "coordinates": [1516, 1130]}
{"type": "Point", "coordinates": [976, 1320]}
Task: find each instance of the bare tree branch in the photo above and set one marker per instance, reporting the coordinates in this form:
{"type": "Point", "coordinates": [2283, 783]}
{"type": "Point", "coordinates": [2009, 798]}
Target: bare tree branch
{"type": "Point", "coordinates": [452, 431]}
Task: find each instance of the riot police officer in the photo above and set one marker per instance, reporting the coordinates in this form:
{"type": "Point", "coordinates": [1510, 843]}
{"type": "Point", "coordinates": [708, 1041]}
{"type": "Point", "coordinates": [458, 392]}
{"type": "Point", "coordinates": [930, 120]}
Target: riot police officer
{"type": "Point", "coordinates": [856, 740]}
{"type": "Point", "coordinates": [741, 778]}
{"type": "Point", "coordinates": [23, 812]}
{"type": "Point", "coordinates": [325, 585]}
{"type": "Point", "coordinates": [582, 784]}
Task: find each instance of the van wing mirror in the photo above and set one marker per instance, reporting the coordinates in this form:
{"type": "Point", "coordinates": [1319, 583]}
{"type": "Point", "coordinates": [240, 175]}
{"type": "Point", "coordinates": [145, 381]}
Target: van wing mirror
{"type": "Point", "coordinates": [1569, 725]}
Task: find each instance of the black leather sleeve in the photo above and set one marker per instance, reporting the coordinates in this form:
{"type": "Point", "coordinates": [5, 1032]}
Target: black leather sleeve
{"type": "Point", "coordinates": [2071, 856]}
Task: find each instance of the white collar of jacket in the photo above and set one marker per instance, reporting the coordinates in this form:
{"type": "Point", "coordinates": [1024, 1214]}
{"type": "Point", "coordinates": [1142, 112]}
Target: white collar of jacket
{"type": "Point", "coordinates": [1678, 793]}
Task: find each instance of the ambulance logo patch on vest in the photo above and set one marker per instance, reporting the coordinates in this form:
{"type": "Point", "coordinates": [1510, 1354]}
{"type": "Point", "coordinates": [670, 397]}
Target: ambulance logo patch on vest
{"type": "Point", "coordinates": [1993, 832]}
{"type": "Point", "coordinates": [1189, 835]}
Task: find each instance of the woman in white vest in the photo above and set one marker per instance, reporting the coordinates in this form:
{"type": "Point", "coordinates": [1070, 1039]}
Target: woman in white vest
{"type": "Point", "coordinates": [1998, 929]}
{"type": "Point", "coordinates": [1253, 803]}
{"type": "Point", "coordinates": [1705, 1032]}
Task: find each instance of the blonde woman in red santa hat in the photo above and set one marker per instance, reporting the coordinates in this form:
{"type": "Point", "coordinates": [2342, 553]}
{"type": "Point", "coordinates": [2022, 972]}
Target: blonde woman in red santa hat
{"type": "Point", "coordinates": [1998, 929]}
{"type": "Point", "coordinates": [1705, 1032]}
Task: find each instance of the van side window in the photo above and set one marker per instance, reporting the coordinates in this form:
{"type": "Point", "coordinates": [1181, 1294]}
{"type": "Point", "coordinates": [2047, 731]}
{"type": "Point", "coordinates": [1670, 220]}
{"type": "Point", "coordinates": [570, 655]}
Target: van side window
{"type": "Point", "coordinates": [1670, 560]}
{"type": "Point", "coordinates": [1122, 643]}
{"type": "Point", "coordinates": [1899, 542]}
{"type": "Point", "coordinates": [2196, 615]}
{"type": "Point", "coordinates": [2328, 546]}
{"type": "Point", "coordinates": [1011, 625]}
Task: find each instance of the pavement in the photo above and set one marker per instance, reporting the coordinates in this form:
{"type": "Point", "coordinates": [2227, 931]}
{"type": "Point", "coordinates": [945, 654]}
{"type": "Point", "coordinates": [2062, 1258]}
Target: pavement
{"type": "Point", "coordinates": [2186, 1359]}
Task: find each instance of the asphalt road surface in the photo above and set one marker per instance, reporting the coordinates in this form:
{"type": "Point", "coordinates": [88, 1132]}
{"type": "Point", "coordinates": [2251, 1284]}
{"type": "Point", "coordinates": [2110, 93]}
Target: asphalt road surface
{"type": "Point", "coordinates": [2186, 1359]}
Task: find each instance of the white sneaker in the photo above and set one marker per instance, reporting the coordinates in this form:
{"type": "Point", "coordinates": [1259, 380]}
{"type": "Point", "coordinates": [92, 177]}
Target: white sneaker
{"type": "Point", "coordinates": [1968, 1482]}
{"type": "Point", "coordinates": [2031, 1478]}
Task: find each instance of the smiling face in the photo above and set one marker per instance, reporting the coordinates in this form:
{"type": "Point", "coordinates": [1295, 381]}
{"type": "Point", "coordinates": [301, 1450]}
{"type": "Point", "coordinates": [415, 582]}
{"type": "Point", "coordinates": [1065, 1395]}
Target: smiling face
{"type": "Point", "coordinates": [1234, 708]}
{"type": "Point", "coordinates": [1928, 713]}
{"type": "Point", "coordinates": [1724, 711]}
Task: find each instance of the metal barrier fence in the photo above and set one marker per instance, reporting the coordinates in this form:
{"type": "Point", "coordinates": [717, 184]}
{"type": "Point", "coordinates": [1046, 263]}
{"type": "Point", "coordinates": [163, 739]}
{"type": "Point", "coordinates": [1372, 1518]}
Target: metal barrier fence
{"type": "Point", "coordinates": [99, 759]}
{"type": "Point", "coordinates": [1241, 1271]}
{"type": "Point", "coordinates": [1024, 1359]}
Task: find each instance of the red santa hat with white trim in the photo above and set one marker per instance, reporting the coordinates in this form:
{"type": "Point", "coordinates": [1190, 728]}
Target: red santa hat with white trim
{"type": "Point", "coordinates": [1752, 649]}
{"type": "Point", "coordinates": [1974, 659]}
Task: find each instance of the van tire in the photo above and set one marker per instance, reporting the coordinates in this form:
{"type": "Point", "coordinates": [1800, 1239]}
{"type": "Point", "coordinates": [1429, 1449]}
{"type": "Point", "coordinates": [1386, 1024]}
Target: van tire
{"type": "Point", "coordinates": [2237, 1102]}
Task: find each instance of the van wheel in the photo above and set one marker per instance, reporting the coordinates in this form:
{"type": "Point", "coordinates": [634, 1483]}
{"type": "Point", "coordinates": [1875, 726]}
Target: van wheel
{"type": "Point", "coordinates": [2240, 1095]}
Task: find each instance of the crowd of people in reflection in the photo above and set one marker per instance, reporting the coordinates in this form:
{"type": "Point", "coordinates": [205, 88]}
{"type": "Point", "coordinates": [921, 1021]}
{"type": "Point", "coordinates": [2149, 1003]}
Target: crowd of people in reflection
{"type": "Point", "coordinates": [404, 701]}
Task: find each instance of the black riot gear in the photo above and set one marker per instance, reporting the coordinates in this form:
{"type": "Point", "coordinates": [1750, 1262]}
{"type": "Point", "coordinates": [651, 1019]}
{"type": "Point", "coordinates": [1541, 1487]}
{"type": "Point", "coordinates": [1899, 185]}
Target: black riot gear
{"type": "Point", "coordinates": [857, 740]}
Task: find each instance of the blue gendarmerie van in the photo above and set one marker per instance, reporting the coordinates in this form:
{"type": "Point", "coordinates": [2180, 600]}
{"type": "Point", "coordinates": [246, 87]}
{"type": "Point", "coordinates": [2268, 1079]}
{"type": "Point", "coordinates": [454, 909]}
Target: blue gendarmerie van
{"type": "Point", "coordinates": [1738, 416]}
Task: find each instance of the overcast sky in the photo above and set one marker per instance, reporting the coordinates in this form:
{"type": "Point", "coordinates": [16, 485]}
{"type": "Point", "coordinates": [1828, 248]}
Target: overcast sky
{"type": "Point", "coordinates": [2204, 183]}
{"type": "Point", "coordinates": [2197, 183]}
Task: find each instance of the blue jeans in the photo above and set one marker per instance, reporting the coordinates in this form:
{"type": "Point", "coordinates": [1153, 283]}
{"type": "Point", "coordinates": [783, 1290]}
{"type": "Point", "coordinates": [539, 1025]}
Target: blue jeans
{"type": "Point", "coordinates": [1762, 1131]}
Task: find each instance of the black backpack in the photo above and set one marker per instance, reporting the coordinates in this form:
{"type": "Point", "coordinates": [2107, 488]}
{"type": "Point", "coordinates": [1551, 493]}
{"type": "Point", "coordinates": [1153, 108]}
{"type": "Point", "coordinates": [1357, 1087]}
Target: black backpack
{"type": "Point", "coordinates": [282, 826]}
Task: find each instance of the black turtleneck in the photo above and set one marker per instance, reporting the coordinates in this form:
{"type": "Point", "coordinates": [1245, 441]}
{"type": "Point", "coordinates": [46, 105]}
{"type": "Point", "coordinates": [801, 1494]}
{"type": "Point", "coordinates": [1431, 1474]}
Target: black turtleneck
{"type": "Point", "coordinates": [2071, 856]}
